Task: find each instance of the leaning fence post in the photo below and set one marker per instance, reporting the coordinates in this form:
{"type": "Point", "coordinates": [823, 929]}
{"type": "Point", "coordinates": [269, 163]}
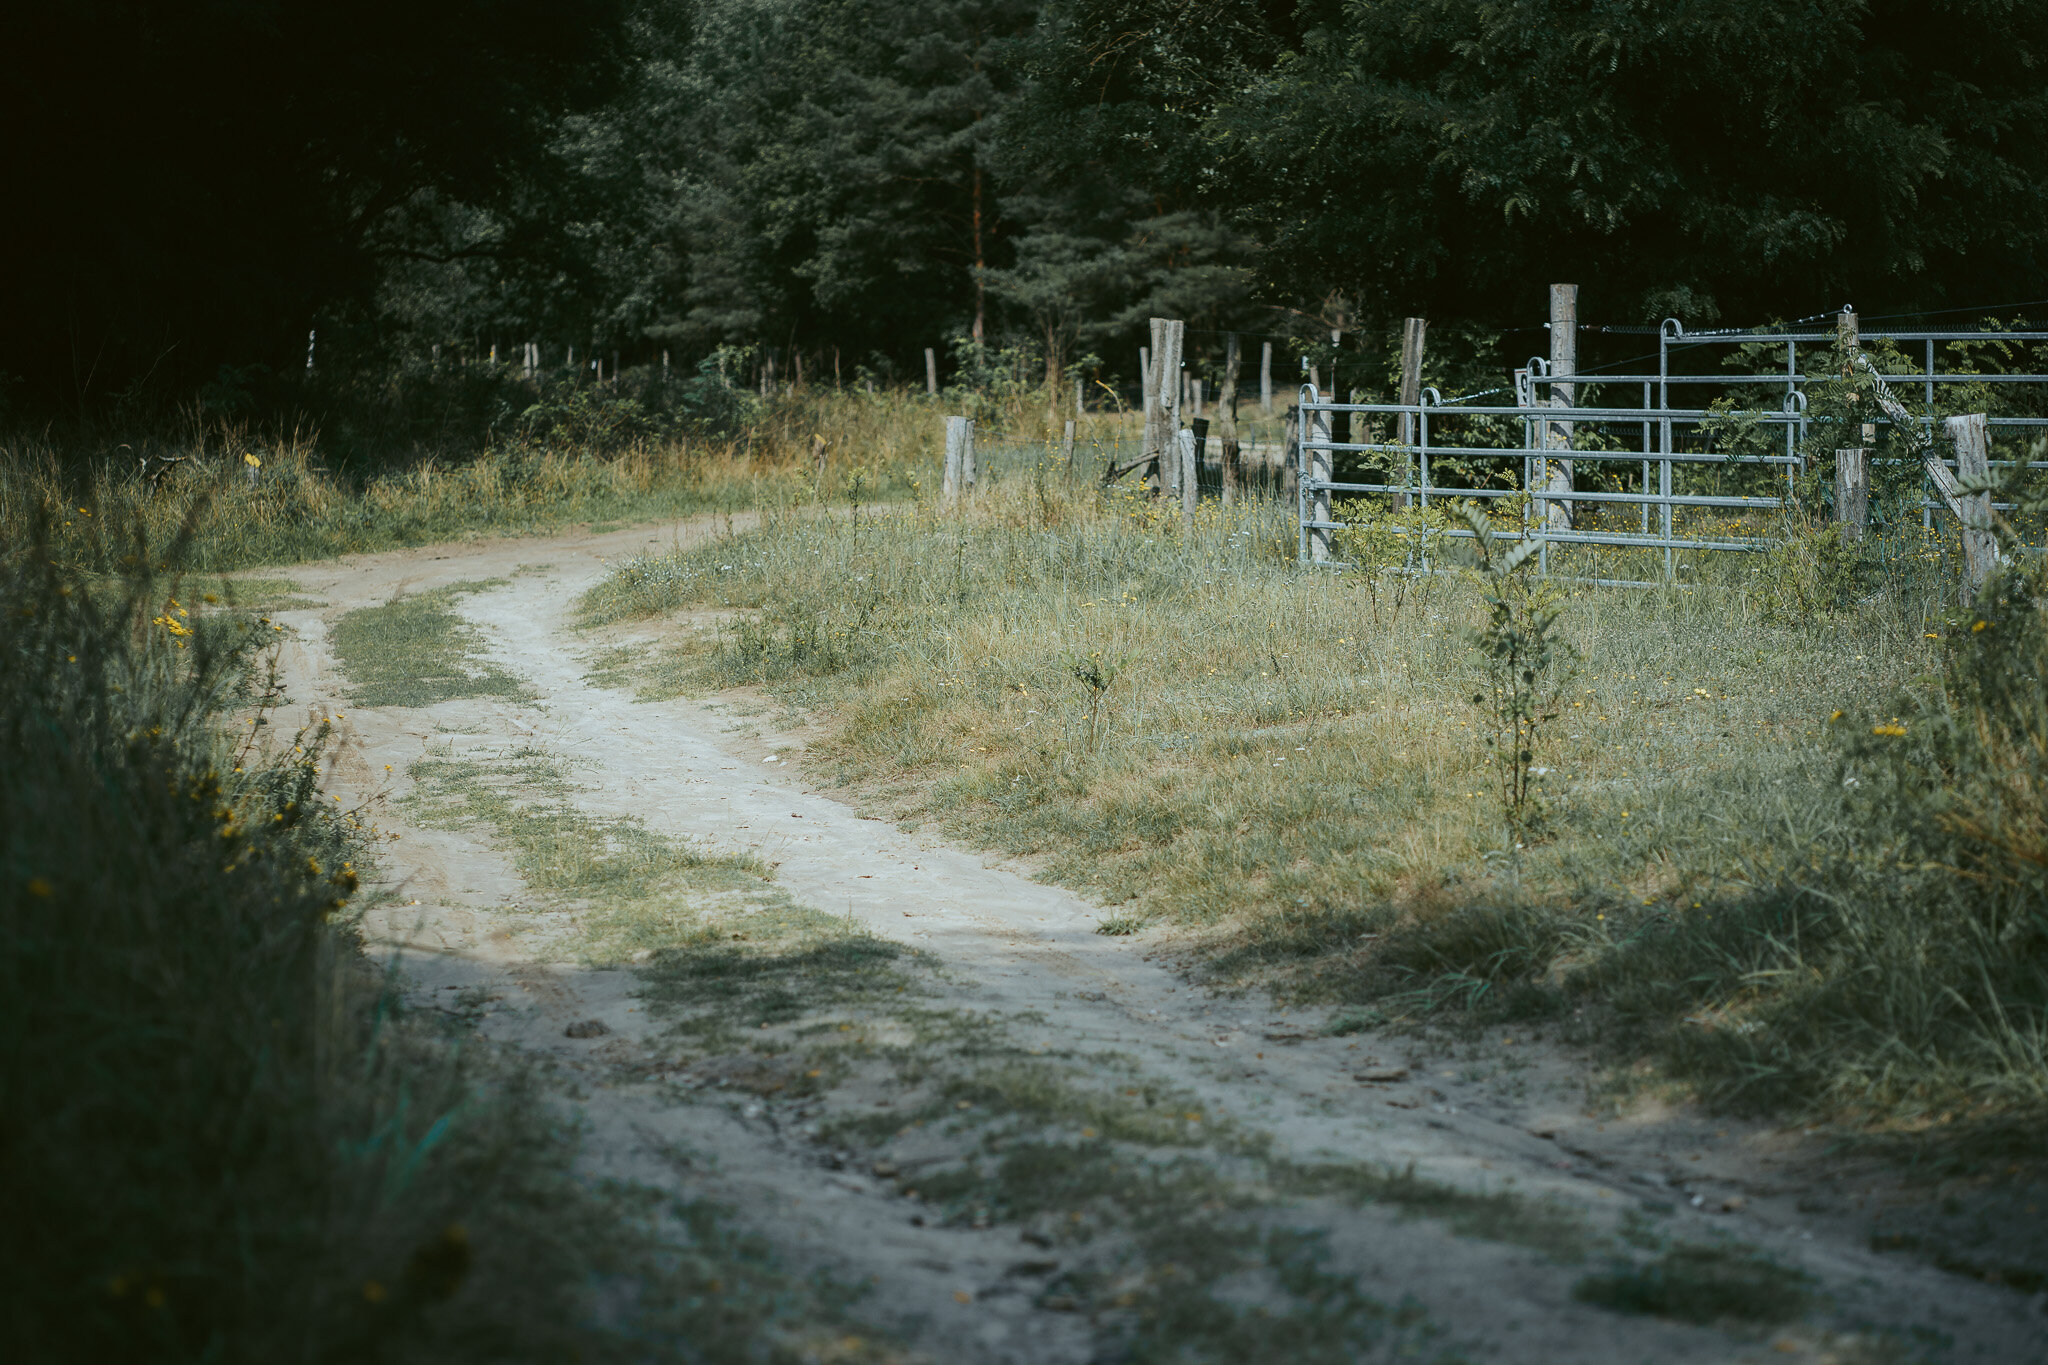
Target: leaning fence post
{"type": "Point", "coordinates": [1971, 435]}
{"type": "Point", "coordinates": [1852, 491]}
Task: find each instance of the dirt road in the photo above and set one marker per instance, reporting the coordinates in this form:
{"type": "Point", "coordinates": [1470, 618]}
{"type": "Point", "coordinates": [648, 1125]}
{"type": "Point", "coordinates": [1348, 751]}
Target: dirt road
{"type": "Point", "coordinates": [954, 1088]}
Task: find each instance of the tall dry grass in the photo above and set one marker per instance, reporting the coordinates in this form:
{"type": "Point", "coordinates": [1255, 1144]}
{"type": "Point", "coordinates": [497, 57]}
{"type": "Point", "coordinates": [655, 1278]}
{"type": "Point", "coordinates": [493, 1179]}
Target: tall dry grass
{"type": "Point", "coordinates": [1285, 765]}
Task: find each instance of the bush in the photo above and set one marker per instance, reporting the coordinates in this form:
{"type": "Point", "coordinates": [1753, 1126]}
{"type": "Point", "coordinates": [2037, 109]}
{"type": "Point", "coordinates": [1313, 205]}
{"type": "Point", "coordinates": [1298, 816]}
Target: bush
{"type": "Point", "coordinates": [222, 1138]}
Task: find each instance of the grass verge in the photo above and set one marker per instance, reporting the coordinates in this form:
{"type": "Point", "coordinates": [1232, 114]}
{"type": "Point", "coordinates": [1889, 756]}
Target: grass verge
{"type": "Point", "coordinates": [1197, 732]}
{"type": "Point", "coordinates": [226, 1138]}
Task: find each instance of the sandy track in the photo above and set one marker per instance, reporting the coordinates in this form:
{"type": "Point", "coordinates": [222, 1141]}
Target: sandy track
{"type": "Point", "coordinates": [1013, 944]}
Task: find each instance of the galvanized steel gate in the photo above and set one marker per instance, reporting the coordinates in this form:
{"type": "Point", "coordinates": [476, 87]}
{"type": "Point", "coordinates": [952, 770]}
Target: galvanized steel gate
{"type": "Point", "coordinates": [1657, 433]}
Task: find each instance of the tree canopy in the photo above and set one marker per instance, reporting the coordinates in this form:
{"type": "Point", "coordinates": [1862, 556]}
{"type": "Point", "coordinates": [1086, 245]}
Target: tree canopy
{"type": "Point", "coordinates": [205, 182]}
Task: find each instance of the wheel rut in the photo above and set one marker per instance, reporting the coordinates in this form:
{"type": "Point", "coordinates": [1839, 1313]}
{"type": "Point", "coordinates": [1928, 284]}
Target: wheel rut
{"type": "Point", "coordinates": [1012, 971]}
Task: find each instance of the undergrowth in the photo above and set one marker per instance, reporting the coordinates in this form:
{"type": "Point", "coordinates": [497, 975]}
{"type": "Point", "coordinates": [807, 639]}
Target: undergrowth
{"type": "Point", "coordinates": [225, 1137]}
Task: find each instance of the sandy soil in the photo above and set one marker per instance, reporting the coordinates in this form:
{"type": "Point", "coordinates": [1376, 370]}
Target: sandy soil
{"type": "Point", "coordinates": [1507, 1113]}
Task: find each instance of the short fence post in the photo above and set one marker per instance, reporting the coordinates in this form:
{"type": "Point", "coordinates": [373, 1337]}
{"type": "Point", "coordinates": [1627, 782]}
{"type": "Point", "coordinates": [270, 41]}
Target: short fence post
{"type": "Point", "coordinates": [1317, 448]}
{"type": "Point", "coordinates": [931, 372]}
{"type": "Point", "coordinates": [1852, 491]}
{"type": "Point", "coordinates": [1972, 437]}
{"type": "Point", "coordinates": [1190, 480]}
{"type": "Point", "coordinates": [959, 441]}
{"type": "Point", "coordinates": [1067, 446]}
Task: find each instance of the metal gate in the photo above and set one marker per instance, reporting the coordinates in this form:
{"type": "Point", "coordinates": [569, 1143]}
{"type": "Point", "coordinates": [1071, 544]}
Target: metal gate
{"type": "Point", "coordinates": [1522, 439]}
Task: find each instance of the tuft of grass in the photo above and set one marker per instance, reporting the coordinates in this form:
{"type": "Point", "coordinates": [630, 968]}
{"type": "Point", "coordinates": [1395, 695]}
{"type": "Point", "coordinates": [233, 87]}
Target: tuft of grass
{"type": "Point", "coordinates": [1558, 1232]}
{"type": "Point", "coordinates": [416, 651]}
{"type": "Point", "coordinates": [1723, 1282]}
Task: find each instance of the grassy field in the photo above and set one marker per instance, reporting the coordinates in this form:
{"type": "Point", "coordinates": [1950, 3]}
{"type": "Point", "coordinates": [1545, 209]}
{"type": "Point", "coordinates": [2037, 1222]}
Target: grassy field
{"type": "Point", "coordinates": [253, 496]}
{"type": "Point", "coordinates": [1732, 862]}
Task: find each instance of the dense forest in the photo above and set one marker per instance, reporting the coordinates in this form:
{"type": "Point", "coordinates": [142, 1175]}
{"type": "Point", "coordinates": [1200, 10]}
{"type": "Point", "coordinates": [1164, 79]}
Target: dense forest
{"type": "Point", "coordinates": [841, 185]}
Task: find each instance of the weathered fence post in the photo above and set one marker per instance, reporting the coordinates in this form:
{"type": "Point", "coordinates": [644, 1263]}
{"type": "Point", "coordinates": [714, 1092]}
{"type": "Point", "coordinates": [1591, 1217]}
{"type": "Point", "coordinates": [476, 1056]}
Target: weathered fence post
{"type": "Point", "coordinates": [1190, 479]}
{"type": "Point", "coordinates": [1972, 437]}
{"type": "Point", "coordinates": [1412, 332]}
{"type": "Point", "coordinates": [1163, 412]}
{"type": "Point", "coordinates": [1319, 513]}
{"type": "Point", "coordinates": [1226, 418]}
{"type": "Point", "coordinates": [1078, 408]}
{"type": "Point", "coordinates": [1067, 446]}
{"type": "Point", "coordinates": [1852, 491]}
{"type": "Point", "coordinates": [1149, 450]}
{"type": "Point", "coordinates": [1564, 360]}
{"type": "Point", "coordinates": [1266, 380]}
{"type": "Point", "coordinates": [931, 372]}
{"type": "Point", "coordinates": [959, 476]}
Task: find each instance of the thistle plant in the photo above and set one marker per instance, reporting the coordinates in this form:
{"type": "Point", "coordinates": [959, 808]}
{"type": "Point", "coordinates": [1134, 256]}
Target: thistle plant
{"type": "Point", "coordinates": [1524, 666]}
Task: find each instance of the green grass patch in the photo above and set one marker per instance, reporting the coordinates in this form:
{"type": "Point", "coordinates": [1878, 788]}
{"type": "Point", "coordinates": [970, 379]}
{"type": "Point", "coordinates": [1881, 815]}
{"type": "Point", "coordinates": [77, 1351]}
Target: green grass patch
{"type": "Point", "coordinates": [1703, 1284]}
{"type": "Point", "coordinates": [1560, 1233]}
{"type": "Point", "coordinates": [416, 651]}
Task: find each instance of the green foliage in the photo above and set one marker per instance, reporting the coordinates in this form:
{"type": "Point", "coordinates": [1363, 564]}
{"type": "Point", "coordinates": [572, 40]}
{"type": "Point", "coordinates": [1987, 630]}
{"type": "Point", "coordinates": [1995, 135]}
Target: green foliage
{"type": "Point", "coordinates": [224, 1141]}
{"type": "Point", "coordinates": [1525, 665]}
{"type": "Point", "coordinates": [1714, 162]}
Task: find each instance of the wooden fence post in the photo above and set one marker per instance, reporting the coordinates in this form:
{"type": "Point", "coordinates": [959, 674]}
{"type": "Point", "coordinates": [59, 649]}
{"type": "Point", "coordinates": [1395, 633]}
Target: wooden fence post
{"type": "Point", "coordinates": [1412, 333]}
{"type": "Point", "coordinates": [1226, 418]}
{"type": "Point", "coordinates": [1318, 475]}
{"type": "Point", "coordinates": [1266, 380]}
{"type": "Point", "coordinates": [1067, 446]}
{"type": "Point", "coordinates": [1190, 478]}
{"type": "Point", "coordinates": [959, 475]}
{"type": "Point", "coordinates": [1852, 491]}
{"type": "Point", "coordinates": [1972, 437]}
{"type": "Point", "coordinates": [1149, 451]}
{"type": "Point", "coordinates": [1169, 389]}
{"type": "Point", "coordinates": [931, 372]}
{"type": "Point", "coordinates": [1564, 360]}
